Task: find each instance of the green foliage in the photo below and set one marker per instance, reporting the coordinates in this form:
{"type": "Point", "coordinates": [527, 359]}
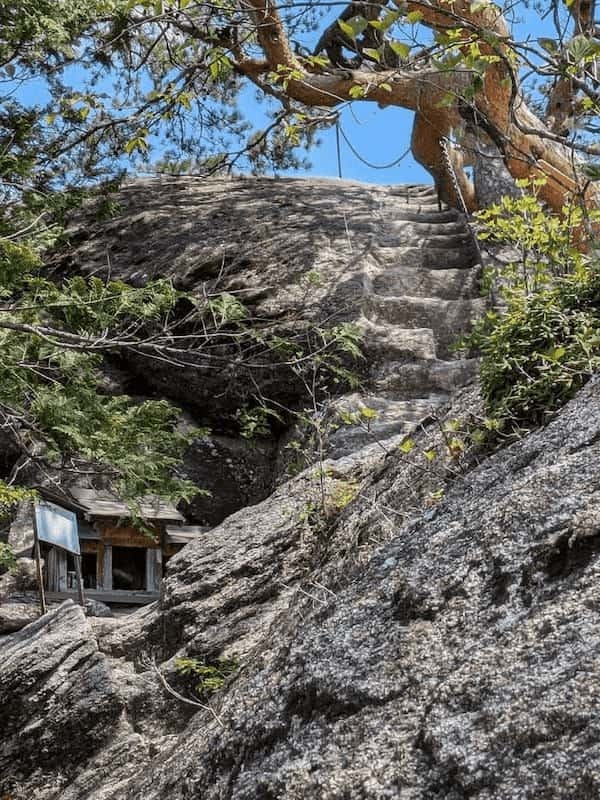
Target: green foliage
{"type": "Point", "coordinates": [11, 495]}
{"type": "Point", "coordinates": [544, 343]}
{"type": "Point", "coordinates": [341, 494]}
{"type": "Point", "coordinates": [33, 30]}
{"type": "Point", "coordinates": [211, 677]}
{"type": "Point", "coordinates": [137, 445]}
{"type": "Point", "coordinates": [8, 560]}
{"type": "Point", "coordinates": [545, 242]}
{"type": "Point", "coordinates": [17, 263]}
{"type": "Point", "coordinates": [226, 308]}
{"type": "Point", "coordinates": [51, 375]}
{"type": "Point", "coordinates": [363, 416]}
{"type": "Point", "coordinates": [407, 446]}
{"type": "Point", "coordinates": [317, 516]}
{"type": "Point", "coordinates": [542, 349]}
{"type": "Point", "coordinates": [255, 422]}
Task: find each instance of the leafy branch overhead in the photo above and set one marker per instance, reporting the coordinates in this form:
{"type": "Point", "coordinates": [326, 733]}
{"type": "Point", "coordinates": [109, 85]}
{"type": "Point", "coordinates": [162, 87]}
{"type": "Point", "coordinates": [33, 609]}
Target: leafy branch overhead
{"type": "Point", "coordinates": [168, 74]}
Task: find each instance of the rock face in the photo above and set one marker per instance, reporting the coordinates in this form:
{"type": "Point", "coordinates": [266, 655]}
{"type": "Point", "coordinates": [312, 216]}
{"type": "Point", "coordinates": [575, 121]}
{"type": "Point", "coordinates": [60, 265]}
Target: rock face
{"type": "Point", "coordinates": [426, 648]}
{"type": "Point", "coordinates": [59, 705]}
{"type": "Point", "coordinates": [14, 616]}
{"type": "Point", "coordinates": [237, 473]}
{"type": "Point", "coordinates": [295, 251]}
{"type": "Point", "coordinates": [462, 662]}
{"type": "Point", "coordinates": [384, 257]}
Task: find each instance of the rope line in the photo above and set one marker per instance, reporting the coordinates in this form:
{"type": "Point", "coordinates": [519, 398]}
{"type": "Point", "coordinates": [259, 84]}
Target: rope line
{"type": "Point", "coordinates": [337, 147]}
{"type": "Point", "coordinates": [363, 159]}
{"type": "Point", "coordinates": [444, 142]}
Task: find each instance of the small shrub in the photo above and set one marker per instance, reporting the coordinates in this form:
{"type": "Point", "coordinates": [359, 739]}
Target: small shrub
{"type": "Point", "coordinates": [544, 343]}
{"type": "Point", "coordinates": [211, 677]}
{"type": "Point", "coordinates": [8, 560]}
{"type": "Point", "coordinates": [544, 348]}
{"type": "Point", "coordinates": [341, 494]}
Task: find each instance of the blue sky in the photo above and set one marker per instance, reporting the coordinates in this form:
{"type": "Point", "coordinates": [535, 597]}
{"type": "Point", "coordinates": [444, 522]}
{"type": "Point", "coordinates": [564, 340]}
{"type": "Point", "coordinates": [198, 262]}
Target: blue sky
{"type": "Point", "coordinates": [379, 136]}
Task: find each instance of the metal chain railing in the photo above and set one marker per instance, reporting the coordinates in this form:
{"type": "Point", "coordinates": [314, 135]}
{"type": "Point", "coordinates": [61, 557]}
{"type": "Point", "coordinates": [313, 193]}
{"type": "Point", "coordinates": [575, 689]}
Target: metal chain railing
{"type": "Point", "coordinates": [444, 145]}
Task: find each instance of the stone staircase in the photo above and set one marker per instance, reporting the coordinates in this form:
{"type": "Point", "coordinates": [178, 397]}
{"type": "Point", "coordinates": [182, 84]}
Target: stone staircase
{"type": "Point", "coordinates": [386, 257]}
{"type": "Point", "coordinates": [420, 293]}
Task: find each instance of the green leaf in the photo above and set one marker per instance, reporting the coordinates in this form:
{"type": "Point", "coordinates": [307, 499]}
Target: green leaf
{"type": "Point", "coordinates": [372, 53]}
{"type": "Point", "coordinates": [354, 26]}
{"type": "Point", "coordinates": [549, 45]}
{"type": "Point", "coordinates": [591, 171]}
{"type": "Point", "coordinates": [400, 49]}
{"type": "Point", "coordinates": [456, 446]}
{"type": "Point", "coordinates": [346, 28]}
{"type": "Point", "coordinates": [407, 446]}
{"type": "Point", "coordinates": [414, 16]}
{"type": "Point", "coordinates": [368, 413]}
{"type": "Point", "coordinates": [386, 22]}
{"type": "Point", "coordinates": [135, 144]}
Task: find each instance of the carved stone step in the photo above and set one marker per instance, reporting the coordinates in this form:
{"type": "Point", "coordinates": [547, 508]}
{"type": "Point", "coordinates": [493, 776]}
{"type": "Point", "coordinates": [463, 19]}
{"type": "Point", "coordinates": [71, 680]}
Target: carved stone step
{"type": "Point", "coordinates": [397, 342]}
{"type": "Point", "coordinates": [425, 257]}
{"type": "Point", "coordinates": [406, 380]}
{"type": "Point", "coordinates": [449, 284]}
{"type": "Point", "coordinates": [448, 319]}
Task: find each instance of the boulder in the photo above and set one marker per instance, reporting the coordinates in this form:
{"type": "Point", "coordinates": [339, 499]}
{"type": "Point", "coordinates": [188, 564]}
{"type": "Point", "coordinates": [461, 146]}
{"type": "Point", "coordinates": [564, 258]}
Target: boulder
{"type": "Point", "coordinates": [58, 705]}
{"type": "Point", "coordinates": [94, 608]}
{"type": "Point", "coordinates": [14, 616]}
{"type": "Point", "coordinates": [24, 575]}
{"type": "Point", "coordinates": [223, 590]}
{"type": "Point", "coordinates": [460, 661]}
{"type": "Point", "coordinates": [435, 638]}
{"type": "Point", "coordinates": [233, 471]}
{"type": "Point", "coordinates": [405, 623]}
{"type": "Point", "coordinates": [296, 252]}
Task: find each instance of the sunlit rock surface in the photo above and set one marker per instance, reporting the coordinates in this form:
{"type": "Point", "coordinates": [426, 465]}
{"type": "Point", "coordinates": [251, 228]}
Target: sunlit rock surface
{"type": "Point", "coordinates": [294, 251]}
{"type": "Point", "coordinates": [443, 650]}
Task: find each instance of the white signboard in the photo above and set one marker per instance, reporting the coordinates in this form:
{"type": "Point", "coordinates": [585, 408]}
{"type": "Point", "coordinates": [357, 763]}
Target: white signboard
{"type": "Point", "coordinates": [57, 526]}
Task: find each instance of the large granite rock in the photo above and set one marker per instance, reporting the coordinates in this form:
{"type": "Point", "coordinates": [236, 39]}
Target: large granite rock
{"type": "Point", "coordinates": [460, 661]}
{"type": "Point", "coordinates": [297, 253]}
{"type": "Point", "coordinates": [14, 616]}
{"type": "Point", "coordinates": [58, 703]}
{"type": "Point", "coordinates": [418, 646]}
{"type": "Point", "coordinates": [404, 625]}
{"type": "Point", "coordinates": [223, 591]}
{"type": "Point", "coordinates": [233, 471]}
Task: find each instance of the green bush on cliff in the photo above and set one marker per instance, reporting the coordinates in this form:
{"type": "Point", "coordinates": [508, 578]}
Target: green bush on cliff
{"type": "Point", "coordinates": [543, 343]}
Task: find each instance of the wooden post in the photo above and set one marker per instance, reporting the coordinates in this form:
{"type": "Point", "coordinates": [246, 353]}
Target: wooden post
{"type": "Point", "coordinates": [77, 560]}
{"type": "Point", "coordinates": [38, 561]}
{"type": "Point", "coordinates": [107, 567]}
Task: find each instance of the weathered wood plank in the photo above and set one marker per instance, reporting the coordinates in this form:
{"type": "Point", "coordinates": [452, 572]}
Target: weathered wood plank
{"type": "Point", "coordinates": [114, 596]}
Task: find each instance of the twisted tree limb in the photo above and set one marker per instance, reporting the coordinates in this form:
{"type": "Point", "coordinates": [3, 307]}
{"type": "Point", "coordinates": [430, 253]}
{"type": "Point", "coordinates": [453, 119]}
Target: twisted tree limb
{"type": "Point", "coordinates": [529, 147]}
